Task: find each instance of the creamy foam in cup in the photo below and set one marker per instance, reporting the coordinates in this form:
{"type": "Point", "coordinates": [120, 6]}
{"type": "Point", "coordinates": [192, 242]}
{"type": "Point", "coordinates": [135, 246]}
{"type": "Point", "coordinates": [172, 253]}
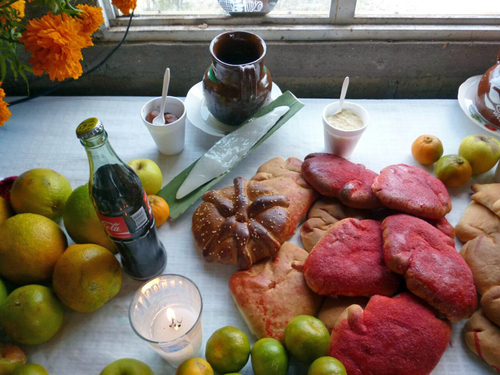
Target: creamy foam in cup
{"type": "Point", "coordinates": [345, 120]}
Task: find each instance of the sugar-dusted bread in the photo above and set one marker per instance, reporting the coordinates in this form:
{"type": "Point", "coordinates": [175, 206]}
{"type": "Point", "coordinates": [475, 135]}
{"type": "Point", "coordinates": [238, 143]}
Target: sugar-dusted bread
{"type": "Point", "coordinates": [483, 339]}
{"type": "Point", "coordinates": [333, 308]}
{"type": "Point", "coordinates": [325, 212]}
{"type": "Point", "coordinates": [241, 224]}
{"type": "Point", "coordinates": [334, 176]}
{"type": "Point", "coordinates": [488, 195]}
{"type": "Point", "coordinates": [476, 221]}
{"type": "Point", "coordinates": [285, 177]}
{"type": "Point", "coordinates": [413, 191]}
{"type": "Point", "coordinates": [482, 254]}
{"type": "Point", "coordinates": [391, 336]}
{"type": "Point", "coordinates": [273, 292]}
{"type": "Point", "coordinates": [348, 261]}
{"type": "Point", "coordinates": [431, 266]}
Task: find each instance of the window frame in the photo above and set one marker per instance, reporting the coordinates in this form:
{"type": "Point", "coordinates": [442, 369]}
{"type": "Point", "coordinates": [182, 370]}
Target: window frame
{"type": "Point", "coordinates": [341, 24]}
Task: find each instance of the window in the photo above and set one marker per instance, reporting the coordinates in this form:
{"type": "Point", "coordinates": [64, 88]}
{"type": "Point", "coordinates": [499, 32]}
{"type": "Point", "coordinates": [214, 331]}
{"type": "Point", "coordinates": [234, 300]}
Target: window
{"type": "Point", "coordinates": [201, 20]}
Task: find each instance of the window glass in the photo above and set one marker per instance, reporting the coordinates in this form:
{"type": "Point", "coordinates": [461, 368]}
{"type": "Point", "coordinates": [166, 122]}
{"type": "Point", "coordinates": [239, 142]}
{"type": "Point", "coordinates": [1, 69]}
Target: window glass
{"type": "Point", "coordinates": [422, 8]}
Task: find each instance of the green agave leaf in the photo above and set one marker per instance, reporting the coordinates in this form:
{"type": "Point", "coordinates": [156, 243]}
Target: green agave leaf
{"type": "Point", "coordinates": [168, 192]}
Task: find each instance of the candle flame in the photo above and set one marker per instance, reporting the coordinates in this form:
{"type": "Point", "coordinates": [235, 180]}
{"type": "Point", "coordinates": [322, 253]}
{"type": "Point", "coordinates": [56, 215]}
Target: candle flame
{"type": "Point", "coordinates": [171, 318]}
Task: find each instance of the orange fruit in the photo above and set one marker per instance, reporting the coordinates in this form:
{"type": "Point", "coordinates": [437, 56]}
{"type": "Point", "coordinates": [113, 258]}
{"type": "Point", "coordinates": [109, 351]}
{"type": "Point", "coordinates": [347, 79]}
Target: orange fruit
{"type": "Point", "coordinates": [86, 277]}
{"type": "Point", "coordinates": [195, 366]}
{"type": "Point", "coordinates": [307, 338]}
{"type": "Point", "coordinates": [160, 208]}
{"type": "Point", "coordinates": [31, 314]}
{"type": "Point", "coordinates": [40, 191]}
{"type": "Point", "coordinates": [269, 357]}
{"type": "Point", "coordinates": [81, 221]}
{"type": "Point", "coordinates": [228, 350]}
{"type": "Point", "coordinates": [327, 366]}
{"type": "Point", "coordinates": [453, 170]}
{"type": "Point", "coordinates": [30, 246]}
{"type": "Point", "coordinates": [5, 210]}
{"type": "Point", "coordinates": [427, 149]}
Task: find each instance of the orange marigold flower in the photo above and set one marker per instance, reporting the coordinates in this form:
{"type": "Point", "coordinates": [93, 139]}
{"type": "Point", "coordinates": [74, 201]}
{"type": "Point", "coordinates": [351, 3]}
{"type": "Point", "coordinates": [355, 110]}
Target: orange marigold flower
{"type": "Point", "coordinates": [55, 43]}
{"type": "Point", "coordinates": [91, 18]}
{"type": "Point", "coordinates": [125, 5]}
{"type": "Point", "coordinates": [18, 6]}
{"type": "Point", "coordinates": [4, 111]}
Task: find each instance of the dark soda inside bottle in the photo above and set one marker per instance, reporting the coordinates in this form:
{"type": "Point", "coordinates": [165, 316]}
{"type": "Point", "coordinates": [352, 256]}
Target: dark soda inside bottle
{"type": "Point", "coordinates": [125, 213]}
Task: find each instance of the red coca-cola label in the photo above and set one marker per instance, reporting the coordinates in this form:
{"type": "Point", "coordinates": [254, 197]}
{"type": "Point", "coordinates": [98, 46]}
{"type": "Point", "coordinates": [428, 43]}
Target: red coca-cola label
{"type": "Point", "coordinates": [115, 226]}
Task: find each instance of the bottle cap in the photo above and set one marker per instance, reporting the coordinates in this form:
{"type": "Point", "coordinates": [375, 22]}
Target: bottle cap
{"type": "Point", "coordinates": [90, 127]}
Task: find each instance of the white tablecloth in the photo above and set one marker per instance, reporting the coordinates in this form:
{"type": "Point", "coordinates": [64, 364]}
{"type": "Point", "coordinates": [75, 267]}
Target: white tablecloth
{"type": "Point", "coordinates": [41, 133]}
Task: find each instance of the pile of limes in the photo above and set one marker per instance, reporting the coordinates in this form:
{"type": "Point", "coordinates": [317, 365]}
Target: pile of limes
{"type": "Point", "coordinates": [228, 349]}
{"type": "Point", "coordinates": [477, 154]}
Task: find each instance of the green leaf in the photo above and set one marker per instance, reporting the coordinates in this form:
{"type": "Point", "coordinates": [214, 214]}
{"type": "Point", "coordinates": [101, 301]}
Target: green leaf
{"type": "Point", "coordinates": [3, 68]}
{"type": "Point", "coordinates": [168, 192]}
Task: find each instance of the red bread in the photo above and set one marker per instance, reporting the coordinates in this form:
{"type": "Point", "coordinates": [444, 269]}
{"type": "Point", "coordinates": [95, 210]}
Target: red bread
{"type": "Point", "coordinates": [392, 336]}
{"type": "Point", "coordinates": [413, 191]}
{"type": "Point", "coordinates": [337, 177]}
{"type": "Point", "coordinates": [348, 261]}
{"type": "Point", "coordinates": [432, 267]}
{"type": "Point", "coordinates": [273, 292]}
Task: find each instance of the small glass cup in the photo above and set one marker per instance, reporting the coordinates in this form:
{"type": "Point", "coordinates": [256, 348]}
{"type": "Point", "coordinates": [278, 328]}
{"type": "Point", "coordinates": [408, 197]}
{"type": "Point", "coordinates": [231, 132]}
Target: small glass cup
{"type": "Point", "coordinates": [166, 313]}
{"type": "Point", "coordinates": [343, 142]}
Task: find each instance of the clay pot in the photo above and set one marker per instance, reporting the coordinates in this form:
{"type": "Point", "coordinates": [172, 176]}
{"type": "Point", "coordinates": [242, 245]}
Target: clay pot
{"type": "Point", "coordinates": [487, 100]}
{"type": "Point", "coordinates": [237, 84]}
{"type": "Point", "coordinates": [247, 7]}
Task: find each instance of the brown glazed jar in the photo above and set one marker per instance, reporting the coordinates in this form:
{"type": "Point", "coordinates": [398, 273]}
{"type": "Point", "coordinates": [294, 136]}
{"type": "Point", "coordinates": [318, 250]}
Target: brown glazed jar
{"type": "Point", "coordinates": [487, 100]}
{"type": "Point", "coordinates": [237, 84]}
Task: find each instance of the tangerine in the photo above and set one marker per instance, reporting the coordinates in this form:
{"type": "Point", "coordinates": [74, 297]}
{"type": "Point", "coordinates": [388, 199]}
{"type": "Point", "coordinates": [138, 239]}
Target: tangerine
{"type": "Point", "coordinates": [228, 350]}
{"type": "Point", "coordinates": [269, 357]}
{"type": "Point", "coordinates": [161, 210]}
{"type": "Point", "coordinates": [327, 366]}
{"type": "Point", "coordinates": [427, 149]}
{"type": "Point", "coordinates": [195, 366]}
{"type": "Point", "coordinates": [307, 338]}
{"type": "Point", "coordinates": [453, 170]}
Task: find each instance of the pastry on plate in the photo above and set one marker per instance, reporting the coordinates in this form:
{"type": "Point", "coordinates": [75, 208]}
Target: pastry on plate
{"type": "Point", "coordinates": [334, 176]}
{"type": "Point", "coordinates": [483, 339]}
{"type": "Point", "coordinates": [431, 266]}
{"type": "Point", "coordinates": [333, 308]}
{"type": "Point", "coordinates": [488, 195]}
{"type": "Point", "coordinates": [285, 177]}
{"type": "Point", "coordinates": [413, 191]}
{"type": "Point", "coordinates": [348, 261]}
{"type": "Point", "coordinates": [273, 292]}
{"type": "Point", "coordinates": [391, 336]}
{"type": "Point", "coordinates": [476, 221]}
{"type": "Point", "coordinates": [241, 224]}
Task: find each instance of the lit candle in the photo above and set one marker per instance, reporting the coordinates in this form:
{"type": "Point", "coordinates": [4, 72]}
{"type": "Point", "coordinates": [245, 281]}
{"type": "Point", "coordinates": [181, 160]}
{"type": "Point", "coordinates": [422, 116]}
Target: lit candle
{"type": "Point", "coordinates": [166, 312]}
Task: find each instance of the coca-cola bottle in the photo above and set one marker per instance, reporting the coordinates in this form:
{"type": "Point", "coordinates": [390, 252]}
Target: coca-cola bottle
{"type": "Point", "coordinates": [121, 204]}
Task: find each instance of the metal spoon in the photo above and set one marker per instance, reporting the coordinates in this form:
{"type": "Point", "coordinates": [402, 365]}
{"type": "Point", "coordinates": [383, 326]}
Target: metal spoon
{"type": "Point", "coordinates": [343, 93]}
{"type": "Point", "coordinates": [160, 119]}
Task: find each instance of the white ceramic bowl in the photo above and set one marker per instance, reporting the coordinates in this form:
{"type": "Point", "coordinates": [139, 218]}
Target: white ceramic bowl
{"type": "Point", "coordinates": [169, 138]}
{"type": "Point", "coordinates": [343, 142]}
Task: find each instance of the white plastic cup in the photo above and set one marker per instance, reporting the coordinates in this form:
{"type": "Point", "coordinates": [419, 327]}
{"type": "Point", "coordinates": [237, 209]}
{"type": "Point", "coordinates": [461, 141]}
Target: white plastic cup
{"type": "Point", "coordinates": [343, 142]}
{"type": "Point", "coordinates": [169, 138]}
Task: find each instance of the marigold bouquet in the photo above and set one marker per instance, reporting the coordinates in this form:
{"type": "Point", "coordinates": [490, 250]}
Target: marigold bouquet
{"type": "Point", "coordinates": [54, 41]}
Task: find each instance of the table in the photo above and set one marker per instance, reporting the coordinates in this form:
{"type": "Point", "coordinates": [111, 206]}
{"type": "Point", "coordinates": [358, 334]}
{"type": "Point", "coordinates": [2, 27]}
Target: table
{"type": "Point", "coordinates": [41, 133]}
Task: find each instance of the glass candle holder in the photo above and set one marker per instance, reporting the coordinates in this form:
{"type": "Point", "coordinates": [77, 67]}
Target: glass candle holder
{"type": "Point", "coordinates": [166, 313]}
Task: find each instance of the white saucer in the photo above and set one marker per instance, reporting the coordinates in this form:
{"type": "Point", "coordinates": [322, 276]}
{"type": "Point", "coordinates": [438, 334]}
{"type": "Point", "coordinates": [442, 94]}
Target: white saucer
{"type": "Point", "coordinates": [199, 115]}
{"type": "Point", "coordinates": [466, 94]}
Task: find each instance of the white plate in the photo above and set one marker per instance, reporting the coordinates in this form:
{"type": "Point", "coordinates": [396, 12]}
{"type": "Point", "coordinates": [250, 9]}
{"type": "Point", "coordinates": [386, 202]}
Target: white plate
{"type": "Point", "coordinates": [466, 93]}
{"type": "Point", "coordinates": [199, 115]}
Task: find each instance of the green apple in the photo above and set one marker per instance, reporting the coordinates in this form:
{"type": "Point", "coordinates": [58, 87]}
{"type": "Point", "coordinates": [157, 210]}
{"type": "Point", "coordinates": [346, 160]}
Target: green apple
{"type": "Point", "coordinates": [150, 174]}
{"type": "Point", "coordinates": [127, 366]}
{"type": "Point", "coordinates": [481, 151]}
{"type": "Point", "coordinates": [3, 292]}
{"type": "Point", "coordinates": [31, 369]}
{"type": "Point", "coordinates": [11, 357]}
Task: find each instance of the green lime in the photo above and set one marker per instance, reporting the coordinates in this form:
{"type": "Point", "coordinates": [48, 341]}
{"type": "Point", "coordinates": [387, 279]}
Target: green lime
{"type": "Point", "coordinates": [228, 350]}
{"type": "Point", "coordinates": [327, 366]}
{"type": "Point", "coordinates": [269, 357]}
{"type": "Point", "coordinates": [453, 170]}
{"type": "Point", "coordinates": [31, 314]}
{"type": "Point", "coordinates": [307, 338]}
{"type": "Point", "coordinates": [3, 292]}
{"type": "Point", "coordinates": [31, 369]}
